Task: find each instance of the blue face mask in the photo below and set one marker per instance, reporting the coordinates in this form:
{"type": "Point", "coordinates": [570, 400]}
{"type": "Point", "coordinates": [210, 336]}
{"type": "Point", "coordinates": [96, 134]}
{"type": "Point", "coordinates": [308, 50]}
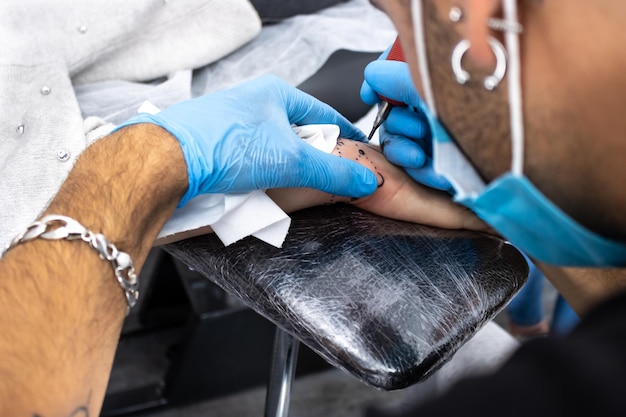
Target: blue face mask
{"type": "Point", "coordinates": [511, 204]}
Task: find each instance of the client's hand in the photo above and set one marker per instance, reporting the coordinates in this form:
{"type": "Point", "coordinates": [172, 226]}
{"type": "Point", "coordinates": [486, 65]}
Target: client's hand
{"type": "Point", "coordinates": [397, 195]}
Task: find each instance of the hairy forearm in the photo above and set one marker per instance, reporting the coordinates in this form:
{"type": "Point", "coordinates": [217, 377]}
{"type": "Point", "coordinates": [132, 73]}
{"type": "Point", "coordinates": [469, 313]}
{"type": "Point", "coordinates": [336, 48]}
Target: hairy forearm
{"type": "Point", "coordinates": [61, 308]}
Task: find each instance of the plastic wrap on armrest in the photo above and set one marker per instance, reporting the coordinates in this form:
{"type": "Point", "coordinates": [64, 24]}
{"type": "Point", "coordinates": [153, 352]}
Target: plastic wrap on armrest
{"type": "Point", "coordinates": [387, 301]}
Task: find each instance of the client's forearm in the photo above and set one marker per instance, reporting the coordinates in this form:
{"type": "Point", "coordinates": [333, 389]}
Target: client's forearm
{"type": "Point", "coordinates": [61, 308]}
{"type": "Point", "coordinates": [397, 196]}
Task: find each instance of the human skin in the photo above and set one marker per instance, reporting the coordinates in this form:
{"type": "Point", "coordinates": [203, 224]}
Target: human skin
{"type": "Point", "coordinates": [61, 309]}
{"type": "Point", "coordinates": [572, 104]}
{"type": "Point", "coordinates": [397, 196]}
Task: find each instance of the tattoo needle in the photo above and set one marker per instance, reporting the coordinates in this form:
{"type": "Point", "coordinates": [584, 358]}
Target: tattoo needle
{"type": "Point", "coordinates": [383, 111]}
{"type": "Point", "coordinates": [384, 108]}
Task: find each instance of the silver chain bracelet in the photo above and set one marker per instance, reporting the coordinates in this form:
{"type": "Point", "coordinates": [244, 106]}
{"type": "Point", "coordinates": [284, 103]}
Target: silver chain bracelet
{"type": "Point", "coordinates": [55, 227]}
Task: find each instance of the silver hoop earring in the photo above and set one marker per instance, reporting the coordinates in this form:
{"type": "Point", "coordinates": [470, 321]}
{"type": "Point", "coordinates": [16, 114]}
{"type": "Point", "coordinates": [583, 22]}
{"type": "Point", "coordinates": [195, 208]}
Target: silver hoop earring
{"type": "Point", "coordinates": [490, 82]}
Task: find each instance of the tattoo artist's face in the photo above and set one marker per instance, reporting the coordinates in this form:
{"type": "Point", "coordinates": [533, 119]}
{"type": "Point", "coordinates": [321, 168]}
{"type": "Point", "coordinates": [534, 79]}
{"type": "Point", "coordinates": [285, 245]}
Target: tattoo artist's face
{"type": "Point", "coordinates": [572, 98]}
{"type": "Point", "coordinates": [475, 117]}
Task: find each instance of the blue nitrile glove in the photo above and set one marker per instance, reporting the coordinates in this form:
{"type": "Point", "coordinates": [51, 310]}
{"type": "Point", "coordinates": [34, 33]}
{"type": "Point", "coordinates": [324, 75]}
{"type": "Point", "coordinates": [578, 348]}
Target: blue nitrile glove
{"type": "Point", "coordinates": [405, 135]}
{"type": "Point", "coordinates": [241, 139]}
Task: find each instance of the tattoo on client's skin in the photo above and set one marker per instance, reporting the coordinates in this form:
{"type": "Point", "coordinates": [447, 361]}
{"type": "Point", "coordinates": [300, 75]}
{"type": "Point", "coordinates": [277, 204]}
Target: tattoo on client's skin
{"type": "Point", "coordinates": [80, 411]}
{"type": "Point", "coordinates": [362, 154]}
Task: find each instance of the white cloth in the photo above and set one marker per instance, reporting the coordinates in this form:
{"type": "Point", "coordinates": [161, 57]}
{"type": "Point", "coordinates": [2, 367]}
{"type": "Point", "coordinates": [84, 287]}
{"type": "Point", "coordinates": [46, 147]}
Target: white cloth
{"type": "Point", "coordinates": [51, 46]}
{"type": "Point", "coordinates": [292, 50]}
{"type": "Point", "coordinates": [296, 48]}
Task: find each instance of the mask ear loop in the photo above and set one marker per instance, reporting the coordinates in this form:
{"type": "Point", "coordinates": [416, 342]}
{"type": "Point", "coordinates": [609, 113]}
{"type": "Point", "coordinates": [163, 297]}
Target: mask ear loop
{"type": "Point", "coordinates": [511, 40]}
{"type": "Point", "coordinates": [422, 56]}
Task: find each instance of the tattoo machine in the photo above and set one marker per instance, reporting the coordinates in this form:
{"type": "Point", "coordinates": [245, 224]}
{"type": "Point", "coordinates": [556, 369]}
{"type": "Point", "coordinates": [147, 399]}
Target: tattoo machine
{"type": "Point", "coordinates": [395, 54]}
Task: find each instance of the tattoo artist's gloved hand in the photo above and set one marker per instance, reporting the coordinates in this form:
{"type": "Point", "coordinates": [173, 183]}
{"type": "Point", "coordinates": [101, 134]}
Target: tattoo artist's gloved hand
{"type": "Point", "coordinates": [405, 135]}
{"type": "Point", "coordinates": [241, 139]}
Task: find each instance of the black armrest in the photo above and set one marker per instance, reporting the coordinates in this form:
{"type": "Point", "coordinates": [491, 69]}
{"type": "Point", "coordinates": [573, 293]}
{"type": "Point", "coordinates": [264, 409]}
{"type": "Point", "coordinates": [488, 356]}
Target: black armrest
{"type": "Point", "coordinates": [387, 301]}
